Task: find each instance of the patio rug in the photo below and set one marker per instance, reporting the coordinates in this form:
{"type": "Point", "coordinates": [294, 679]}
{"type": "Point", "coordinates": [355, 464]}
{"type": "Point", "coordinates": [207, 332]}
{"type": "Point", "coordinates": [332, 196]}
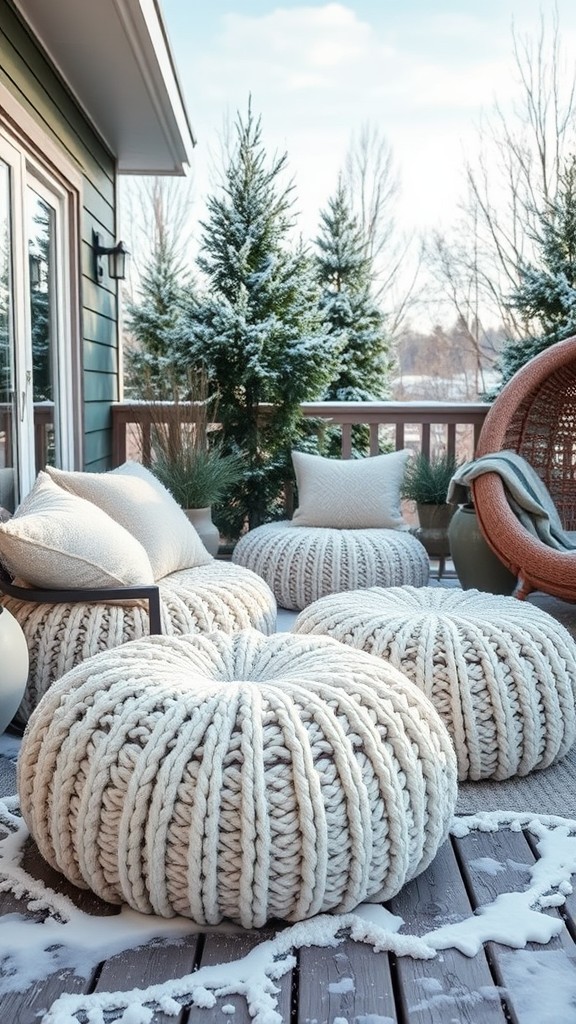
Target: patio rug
{"type": "Point", "coordinates": [550, 791]}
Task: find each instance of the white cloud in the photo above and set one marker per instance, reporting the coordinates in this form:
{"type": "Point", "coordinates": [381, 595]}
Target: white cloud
{"type": "Point", "coordinates": [317, 72]}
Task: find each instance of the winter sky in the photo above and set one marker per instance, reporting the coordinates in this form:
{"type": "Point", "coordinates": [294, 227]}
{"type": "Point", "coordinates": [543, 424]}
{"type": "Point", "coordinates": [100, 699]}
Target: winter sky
{"type": "Point", "coordinates": [421, 71]}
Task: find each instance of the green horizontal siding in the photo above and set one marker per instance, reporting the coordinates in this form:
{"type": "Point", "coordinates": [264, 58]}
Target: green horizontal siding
{"type": "Point", "coordinates": [97, 417]}
{"type": "Point", "coordinates": [100, 358]}
{"type": "Point", "coordinates": [100, 387]}
{"type": "Point", "coordinates": [29, 76]}
{"type": "Point", "coordinates": [99, 328]}
{"type": "Point", "coordinates": [97, 452]}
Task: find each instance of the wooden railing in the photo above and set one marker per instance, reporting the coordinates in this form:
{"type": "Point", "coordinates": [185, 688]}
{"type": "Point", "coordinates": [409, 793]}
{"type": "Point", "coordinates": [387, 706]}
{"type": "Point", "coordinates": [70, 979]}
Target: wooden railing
{"type": "Point", "coordinates": [431, 427]}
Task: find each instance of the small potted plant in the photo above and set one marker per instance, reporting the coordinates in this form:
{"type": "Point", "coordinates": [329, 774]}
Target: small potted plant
{"type": "Point", "coordinates": [426, 483]}
{"type": "Point", "coordinates": [187, 457]}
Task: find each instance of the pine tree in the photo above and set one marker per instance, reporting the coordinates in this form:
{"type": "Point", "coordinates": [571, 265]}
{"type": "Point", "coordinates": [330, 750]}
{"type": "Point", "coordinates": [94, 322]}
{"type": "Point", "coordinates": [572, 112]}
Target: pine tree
{"type": "Point", "coordinates": [356, 323]}
{"type": "Point", "coordinates": [546, 296]}
{"type": "Point", "coordinates": [153, 321]}
{"type": "Point", "coordinates": [257, 330]}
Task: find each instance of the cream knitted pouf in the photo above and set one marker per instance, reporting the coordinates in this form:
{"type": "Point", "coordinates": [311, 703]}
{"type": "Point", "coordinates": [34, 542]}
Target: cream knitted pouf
{"type": "Point", "coordinates": [500, 672]}
{"type": "Point", "coordinates": [242, 776]}
{"type": "Point", "coordinates": [302, 563]}
{"type": "Point", "coordinates": [208, 597]}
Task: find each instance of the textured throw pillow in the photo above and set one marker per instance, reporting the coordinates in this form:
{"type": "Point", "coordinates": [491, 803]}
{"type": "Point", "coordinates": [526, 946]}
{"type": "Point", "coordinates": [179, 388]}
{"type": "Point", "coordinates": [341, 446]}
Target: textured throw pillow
{"type": "Point", "coordinates": [350, 494]}
{"type": "Point", "coordinates": [138, 501]}
{"type": "Point", "coordinates": [58, 541]}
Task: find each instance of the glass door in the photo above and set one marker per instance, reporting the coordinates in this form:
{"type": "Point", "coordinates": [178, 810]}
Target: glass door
{"type": "Point", "coordinates": [36, 390]}
{"type": "Point", "coordinates": [8, 431]}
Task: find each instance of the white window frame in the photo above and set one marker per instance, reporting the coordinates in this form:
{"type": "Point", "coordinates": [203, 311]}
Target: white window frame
{"type": "Point", "coordinates": [56, 197]}
{"type": "Point", "coordinates": [37, 161]}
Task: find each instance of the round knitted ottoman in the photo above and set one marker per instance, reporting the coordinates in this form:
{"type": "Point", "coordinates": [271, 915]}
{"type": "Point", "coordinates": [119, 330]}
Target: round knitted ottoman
{"type": "Point", "coordinates": [243, 777]}
{"type": "Point", "coordinates": [500, 672]}
{"type": "Point", "coordinates": [302, 563]}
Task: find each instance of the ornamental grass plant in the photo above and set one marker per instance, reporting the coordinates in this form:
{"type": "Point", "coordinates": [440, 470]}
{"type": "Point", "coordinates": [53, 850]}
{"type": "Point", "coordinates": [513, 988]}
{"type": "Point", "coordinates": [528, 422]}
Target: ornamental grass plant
{"type": "Point", "coordinates": [185, 452]}
{"type": "Point", "coordinates": [426, 479]}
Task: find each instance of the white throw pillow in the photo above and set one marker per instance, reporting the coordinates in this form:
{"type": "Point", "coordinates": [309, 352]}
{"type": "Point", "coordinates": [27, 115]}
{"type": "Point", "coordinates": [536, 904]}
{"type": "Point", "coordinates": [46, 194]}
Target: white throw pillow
{"type": "Point", "coordinates": [350, 494]}
{"type": "Point", "coordinates": [58, 541]}
{"type": "Point", "coordinates": [138, 501]}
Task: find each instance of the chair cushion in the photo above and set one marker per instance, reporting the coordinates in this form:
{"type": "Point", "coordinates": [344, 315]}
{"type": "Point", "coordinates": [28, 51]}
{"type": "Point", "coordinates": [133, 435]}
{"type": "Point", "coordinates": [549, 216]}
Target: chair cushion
{"type": "Point", "coordinates": [138, 501]}
{"type": "Point", "coordinates": [58, 540]}
{"type": "Point", "coordinates": [350, 494]}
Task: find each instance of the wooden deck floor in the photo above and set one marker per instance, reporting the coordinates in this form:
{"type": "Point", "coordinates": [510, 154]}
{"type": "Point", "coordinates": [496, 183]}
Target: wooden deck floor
{"type": "Point", "coordinates": [348, 983]}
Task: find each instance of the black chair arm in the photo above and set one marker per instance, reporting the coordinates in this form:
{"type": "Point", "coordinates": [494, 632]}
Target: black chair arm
{"type": "Point", "coordinates": [151, 594]}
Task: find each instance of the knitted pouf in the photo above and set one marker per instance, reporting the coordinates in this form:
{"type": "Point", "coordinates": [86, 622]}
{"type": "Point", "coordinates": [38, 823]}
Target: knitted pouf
{"type": "Point", "coordinates": [501, 673]}
{"type": "Point", "coordinates": [302, 563]}
{"type": "Point", "coordinates": [208, 597]}
{"type": "Point", "coordinates": [241, 776]}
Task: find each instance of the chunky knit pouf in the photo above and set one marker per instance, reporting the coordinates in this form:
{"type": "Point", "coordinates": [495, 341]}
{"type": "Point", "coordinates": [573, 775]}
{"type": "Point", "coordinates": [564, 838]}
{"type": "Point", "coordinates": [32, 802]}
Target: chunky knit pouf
{"type": "Point", "coordinates": [243, 777]}
{"type": "Point", "coordinates": [199, 600]}
{"type": "Point", "coordinates": [301, 563]}
{"type": "Point", "coordinates": [500, 672]}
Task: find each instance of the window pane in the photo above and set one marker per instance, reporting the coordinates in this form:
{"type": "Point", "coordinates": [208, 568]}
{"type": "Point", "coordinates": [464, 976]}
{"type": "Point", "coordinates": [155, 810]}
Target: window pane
{"type": "Point", "coordinates": [41, 256]}
{"type": "Point", "coordinates": [6, 344]}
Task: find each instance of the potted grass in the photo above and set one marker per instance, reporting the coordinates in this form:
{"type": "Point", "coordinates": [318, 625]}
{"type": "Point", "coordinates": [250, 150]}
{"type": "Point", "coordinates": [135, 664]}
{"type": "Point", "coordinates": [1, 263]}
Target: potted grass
{"type": "Point", "coordinates": [426, 483]}
{"type": "Point", "coordinates": [186, 455]}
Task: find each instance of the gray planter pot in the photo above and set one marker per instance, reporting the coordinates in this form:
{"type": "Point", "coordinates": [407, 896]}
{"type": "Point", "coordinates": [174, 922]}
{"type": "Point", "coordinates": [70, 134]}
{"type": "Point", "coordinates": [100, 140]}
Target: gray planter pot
{"type": "Point", "coordinates": [432, 532]}
{"type": "Point", "coordinates": [477, 566]}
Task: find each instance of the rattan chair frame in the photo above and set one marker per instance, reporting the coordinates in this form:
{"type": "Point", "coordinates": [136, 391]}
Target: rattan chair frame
{"type": "Point", "coordinates": [534, 415]}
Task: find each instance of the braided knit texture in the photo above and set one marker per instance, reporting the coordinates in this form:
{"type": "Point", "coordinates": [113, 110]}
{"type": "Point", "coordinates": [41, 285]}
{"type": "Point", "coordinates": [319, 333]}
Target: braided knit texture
{"type": "Point", "coordinates": [301, 564]}
{"type": "Point", "coordinates": [208, 597]}
{"type": "Point", "coordinates": [500, 672]}
{"type": "Point", "coordinates": [237, 776]}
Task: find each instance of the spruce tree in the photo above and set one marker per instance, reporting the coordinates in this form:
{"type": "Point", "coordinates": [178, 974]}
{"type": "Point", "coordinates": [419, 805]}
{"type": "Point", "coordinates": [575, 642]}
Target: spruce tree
{"type": "Point", "coordinates": [257, 330]}
{"type": "Point", "coordinates": [153, 322]}
{"type": "Point", "coordinates": [546, 295]}
{"type": "Point", "coordinates": [356, 323]}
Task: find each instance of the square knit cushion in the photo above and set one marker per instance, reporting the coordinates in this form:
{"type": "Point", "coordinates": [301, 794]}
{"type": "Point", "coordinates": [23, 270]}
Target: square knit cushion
{"type": "Point", "coordinates": [350, 494]}
{"type": "Point", "coordinates": [59, 541]}
{"type": "Point", "coordinates": [133, 496]}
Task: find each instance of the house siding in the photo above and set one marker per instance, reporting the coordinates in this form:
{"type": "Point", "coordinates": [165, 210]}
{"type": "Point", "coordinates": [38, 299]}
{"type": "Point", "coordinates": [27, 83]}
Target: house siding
{"type": "Point", "coordinates": [30, 78]}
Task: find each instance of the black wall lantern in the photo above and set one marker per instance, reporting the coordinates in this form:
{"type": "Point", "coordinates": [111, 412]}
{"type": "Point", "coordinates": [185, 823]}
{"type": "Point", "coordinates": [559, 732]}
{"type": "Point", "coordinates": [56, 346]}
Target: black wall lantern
{"type": "Point", "coordinates": [116, 258]}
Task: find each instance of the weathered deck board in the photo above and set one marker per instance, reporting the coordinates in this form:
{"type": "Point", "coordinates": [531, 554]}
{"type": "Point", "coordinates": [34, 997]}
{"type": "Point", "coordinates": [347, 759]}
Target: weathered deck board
{"type": "Point", "coordinates": [348, 981]}
{"type": "Point", "coordinates": [514, 856]}
{"type": "Point", "coordinates": [447, 987]}
{"type": "Point", "coordinates": [149, 965]}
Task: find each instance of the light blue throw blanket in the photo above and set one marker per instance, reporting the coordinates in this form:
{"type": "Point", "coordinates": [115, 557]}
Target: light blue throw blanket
{"type": "Point", "coordinates": [527, 495]}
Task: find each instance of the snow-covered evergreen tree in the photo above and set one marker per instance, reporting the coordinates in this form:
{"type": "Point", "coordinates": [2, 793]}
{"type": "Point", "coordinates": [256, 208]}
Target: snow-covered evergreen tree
{"type": "Point", "coordinates": [258, 329]}
{"type": "Point", "coordinates": [344, 273]}
{"type": "Point", "coordinates": [546, 296]}
{"type": "Point", "coordinates": [153, 321]}
{"type": "Point", "coordinates": [356, 323]}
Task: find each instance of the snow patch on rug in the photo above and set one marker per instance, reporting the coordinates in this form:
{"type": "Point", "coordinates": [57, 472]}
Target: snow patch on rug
{"type": "Point", "coordinates": [68, 937]}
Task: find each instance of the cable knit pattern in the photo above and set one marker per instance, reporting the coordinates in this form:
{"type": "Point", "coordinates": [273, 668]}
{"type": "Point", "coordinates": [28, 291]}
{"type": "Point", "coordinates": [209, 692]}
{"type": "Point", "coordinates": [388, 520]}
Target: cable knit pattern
{"type": "Point", "coordinates": [500, 672]}
{"type": "Point", "coordinates": [208, 597]}
{"type": "Point", "coordinates": [237, 776]}
{"type": "Point", "coordinates": [302, 564]}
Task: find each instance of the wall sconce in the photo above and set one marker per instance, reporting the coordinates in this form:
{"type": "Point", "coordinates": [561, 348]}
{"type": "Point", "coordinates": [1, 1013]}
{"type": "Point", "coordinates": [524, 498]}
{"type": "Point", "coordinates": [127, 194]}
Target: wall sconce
{"type": "Point", "coordinates": [116, 258]}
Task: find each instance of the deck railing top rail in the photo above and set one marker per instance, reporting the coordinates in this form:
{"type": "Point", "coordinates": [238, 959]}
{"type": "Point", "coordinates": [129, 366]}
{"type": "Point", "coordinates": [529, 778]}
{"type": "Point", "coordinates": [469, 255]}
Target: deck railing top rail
{"type": "Point", "coordinates": [376, 415]}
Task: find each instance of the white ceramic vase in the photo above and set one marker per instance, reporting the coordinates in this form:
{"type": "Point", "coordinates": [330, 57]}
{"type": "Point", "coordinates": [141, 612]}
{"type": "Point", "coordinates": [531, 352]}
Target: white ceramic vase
{"type": "Point", "coordinates": [13, 667]}
{"type": "Point", "coordinates": [201, 519]}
